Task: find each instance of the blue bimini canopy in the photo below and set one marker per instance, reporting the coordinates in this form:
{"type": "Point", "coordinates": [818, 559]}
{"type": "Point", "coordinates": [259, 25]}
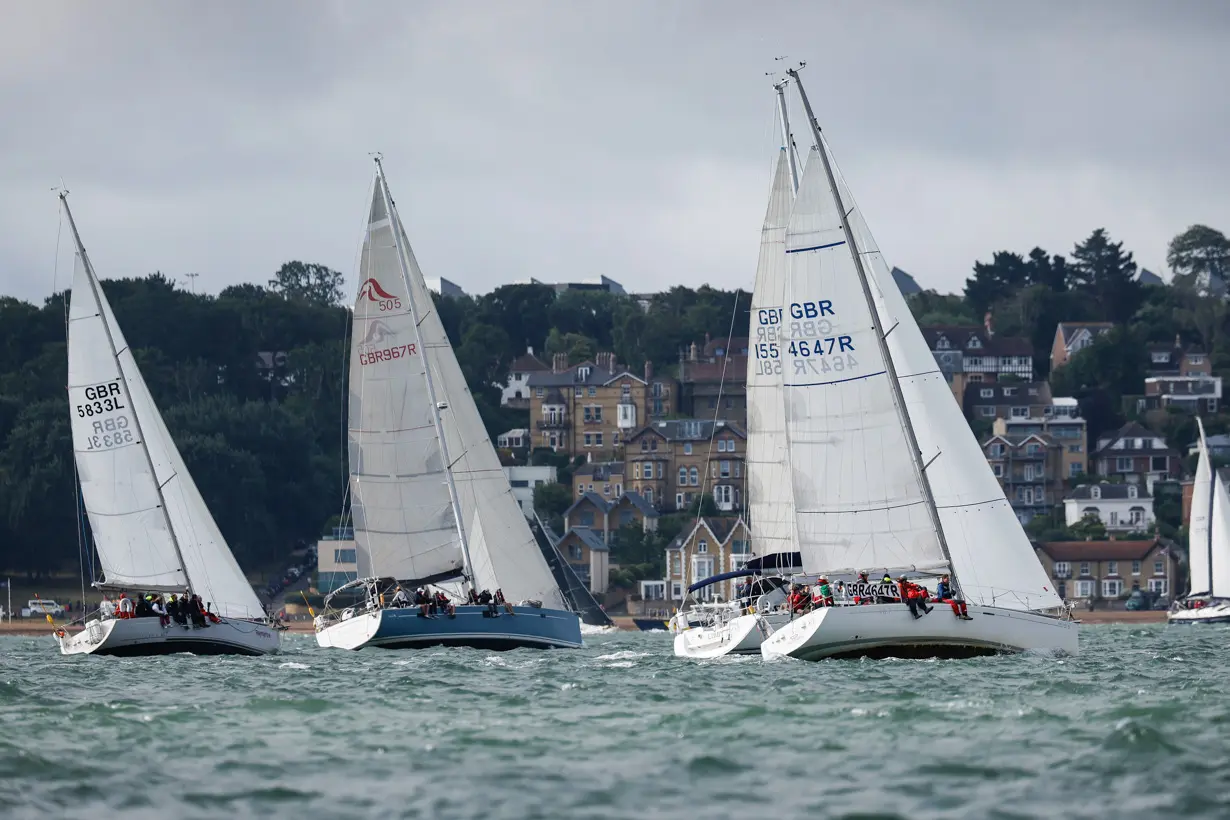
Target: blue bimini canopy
{"type": "Point", "coordinates": [725, 576]}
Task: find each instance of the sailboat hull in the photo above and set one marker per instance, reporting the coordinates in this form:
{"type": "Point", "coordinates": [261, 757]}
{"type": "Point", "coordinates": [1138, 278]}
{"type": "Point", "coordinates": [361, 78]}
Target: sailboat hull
{"type": "Point", "coordinates": [738, 636]}
{"type": "Point", "coordinates": [890, 631]}
{"type": "Point", "coordinates": [529, 628]}
{"type": "Point", "coordinates": [1216, 614]}
{"type": "Point", "coordinates": [146, 636]}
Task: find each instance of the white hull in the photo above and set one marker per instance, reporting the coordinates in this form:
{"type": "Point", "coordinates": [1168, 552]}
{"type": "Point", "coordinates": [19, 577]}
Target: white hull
{"type": "Point", "coordinates": [889, 630]}
{"type": "Point", "coordinates": [737, 636]}
{"type": "Point", "coordinates": [146, 636]}
{"type": "Point", "coordinates": [1216, 614]}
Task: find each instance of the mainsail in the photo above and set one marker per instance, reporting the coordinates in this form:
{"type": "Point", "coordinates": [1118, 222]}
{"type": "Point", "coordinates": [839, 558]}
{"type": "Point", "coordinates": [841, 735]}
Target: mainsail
{"type": "Point", "coordinates": [858, 498]}
{"type": "Point", "coordinates": [151, 527]}
{"type": "Point", "coordinates": [770, 497]}
{"type": "Point", "coordinates": [1209, 533]}
{"type": "Point", "coordinates": [416, 531]}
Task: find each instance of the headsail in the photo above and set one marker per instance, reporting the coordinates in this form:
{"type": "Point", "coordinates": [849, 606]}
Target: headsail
{"type": "Point", "coordinates": [770, 497]}
{"type": "Point", "coordinates": [859, 503]}
{"type": "Point", "coordinates": [151, 527]}
{"type": "Point", "coordinates": [991, 554]}
{"type": "Point", "coordinates": [1209, 532]}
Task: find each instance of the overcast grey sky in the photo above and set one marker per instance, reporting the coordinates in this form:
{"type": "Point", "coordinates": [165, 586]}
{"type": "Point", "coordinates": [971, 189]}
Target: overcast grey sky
{"type": "Point", "coordinates": [570, 139]}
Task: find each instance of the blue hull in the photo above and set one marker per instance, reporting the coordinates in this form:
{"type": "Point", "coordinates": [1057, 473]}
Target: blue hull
{"type": "Point", "coordinates": [651, 624]}
{"type": "Point", "coordinates": [472, 626]}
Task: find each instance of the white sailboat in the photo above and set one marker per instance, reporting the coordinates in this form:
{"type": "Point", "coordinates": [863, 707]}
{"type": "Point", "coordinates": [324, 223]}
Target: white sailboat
{"type": "Point", "coordinates": [151, 528]}
{"type": "Point", "coordinates": [429, 499]}
{"type": "Point", "coordinates": [886, 475]}
{"type": "Point", "coordinates": [1208, 552]}
{"type": "Point", "coordinates": [738, 627]}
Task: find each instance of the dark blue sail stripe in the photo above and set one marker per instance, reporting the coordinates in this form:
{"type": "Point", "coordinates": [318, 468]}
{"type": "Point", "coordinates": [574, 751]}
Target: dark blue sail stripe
{"type": "Point", "coordinates": [817, 247]}
{"type": "Point", "coordinates": [835, 381]}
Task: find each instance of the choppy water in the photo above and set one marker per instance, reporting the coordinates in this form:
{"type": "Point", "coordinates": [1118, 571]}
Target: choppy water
{"type": "Point", "coordinates": [1136, 726]}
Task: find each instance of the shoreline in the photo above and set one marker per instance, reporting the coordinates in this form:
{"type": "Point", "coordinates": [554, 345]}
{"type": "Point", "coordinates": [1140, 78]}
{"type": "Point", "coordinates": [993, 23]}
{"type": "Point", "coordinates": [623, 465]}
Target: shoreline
{"type": "Point", "coordinates": [28, 627]}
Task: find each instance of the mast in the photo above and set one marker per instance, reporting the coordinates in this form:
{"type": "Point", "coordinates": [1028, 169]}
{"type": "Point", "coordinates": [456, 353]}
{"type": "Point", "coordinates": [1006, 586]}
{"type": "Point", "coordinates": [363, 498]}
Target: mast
{"type": "Point", "coordinates": [136, 417]}
{"type": "Point", "coordinates": [898, 398]}
{"type": "Point", "coordinates": [1204, 454]}
{"type": "Point", "coordinates": [787, 138]}
{"type": "Point", "coordinates": [436, 406]}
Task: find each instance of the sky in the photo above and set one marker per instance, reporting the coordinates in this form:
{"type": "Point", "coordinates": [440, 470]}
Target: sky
{"type": "Point", "coordinates": [566, 139]}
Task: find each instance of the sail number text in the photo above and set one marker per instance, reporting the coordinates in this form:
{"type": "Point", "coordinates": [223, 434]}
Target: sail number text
{"type": "Point", "coordinates": [390, 304]}
{"type": "Point", "coordinates": [110, 433]}
{"type": "Point", "coordinates": [101, 398]}
{"type": "Point", "coordinates": [811, 337]}
{"type": "Point", "coordinates": [387, 354]}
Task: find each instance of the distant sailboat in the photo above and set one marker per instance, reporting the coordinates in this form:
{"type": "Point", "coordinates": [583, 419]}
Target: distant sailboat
{"type": "Point", "coordinates": [430, 501]}
{"type": "Point", "coordinates": [886, 475]}
{"type": "Point", "coordinates": [1208, 551]}
{"type": "Point", "coordinates": [151, 528]}
{"type": "Point", "coordinates": [738, 627]}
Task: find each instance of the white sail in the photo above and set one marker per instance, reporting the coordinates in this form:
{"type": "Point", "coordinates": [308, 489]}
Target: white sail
{"type": "Point", "coordinates": [502, 547]}
{"type": "Point", "coordinates": [994, 561]}
{"type": "Point", "coordinates": [769, 491]}
{"type": "Point", "coordinates": [1208, 552]}
{"type": "Point", "coordinates": [400, 502]}
{"type": "Point", "coordinates": [111, 408]}
{"type": "Point", "coordinates": [859, 502]}
{"type": "Point", "coordinates": [1221, 539]}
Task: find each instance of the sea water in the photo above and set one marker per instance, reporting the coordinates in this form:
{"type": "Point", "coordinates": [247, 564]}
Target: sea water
{"type": "Point", "coordinates": [1136, 726]}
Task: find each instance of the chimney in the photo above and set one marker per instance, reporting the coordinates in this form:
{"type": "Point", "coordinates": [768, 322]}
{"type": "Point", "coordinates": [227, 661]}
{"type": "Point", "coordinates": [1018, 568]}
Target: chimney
{"type": "Point", "coordinates": [988, 324]}
{"type": "Point", "coordinates": [648, 371]}
{"type": "Point", "coordinates": [1178, 342]}
{"type": "Point", "coordinates": [529, 349]}
{"type": "Point", "coordinates": [692, 352]}
{"type": "Point", "coordinates": [559, 362]}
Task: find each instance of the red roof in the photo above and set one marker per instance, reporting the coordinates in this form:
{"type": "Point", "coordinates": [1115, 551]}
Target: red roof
{"type": "Point", "coordinates": [527, 363]}
{"type": "Point", "coordinates": [1098, 550]}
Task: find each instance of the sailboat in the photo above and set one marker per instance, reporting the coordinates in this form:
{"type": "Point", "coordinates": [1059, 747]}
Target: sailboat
{"type": "Point", "coordinates": [430, 502]}
{"type": "Point", "coordinates": [885, 472]}
{"type": "Point", "coordinates": [152, 530]}
{"type": "Point", "coordinates": [738, 627]}
{"type": "Point", "coordinates": [1208, 553]}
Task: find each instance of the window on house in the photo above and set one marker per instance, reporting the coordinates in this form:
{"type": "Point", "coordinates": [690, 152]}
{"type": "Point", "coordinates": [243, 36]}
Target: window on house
{"type": "Point", "coordinates": [1114, 519]}
{"type": "Point", "coordinates": [588, 440]}
{"type": "Point", "coordinates": [997, 450]}
{"type": "Point", "coordinates": [1211, 404]}
{"type": "Point", "coordinates": [687, 448]}
{"type": "Point", "coordinates": [987, 411]}
{"type": "Point", "coordinates": [683, 475]}
{"type": "Point", "coordinates": [1137, 517]}
{"type": "Point", "coordinates": [1085, 568]}
{"type": "Point", "coordinates": [712, 402]}
{"type": "Point", "coordinates": [676, 591]}
{"type": "Point", "coordinates": [975, 378]}
{"type": "Point", "coordinates": [695, 475]}
{"type": "Point", "coordinates": [587, 519]}
{"type": "Point", "coordinates": [702, 546]}
{"type": "Point", "coordinates": [679, 501]}
{"type": "Point", "coordinates": [538, 391]}
{"type": "Point", "coordinates": [1075, 448]}
{"type": "Point", "coordinates": [1028, 472]}
{"type": "Point", "coordinates": [648, 495]}
{"type": "Point", "coordinates": [1158, 586]}
{"type": "Point", "coordinates": [597, 439]}
{"type": "Point", "coordinates": [574, 552]}
{"type": "Point", "coordinates": [345, 556]}
{"type": "Point", "coordinates": [998, 469]}
{"type": "Point", "coordinates": [1112, 567]}
{"type": "Point", "coordinates": [653, 444]}
{"type": "Point", "coordinates": [987, 393]}
{"type": "Point", "coordinates": [593, 391]}
{"type": "Point", "coordinates": [1158, 464]}
{"type": "Point", "coordinates": [1123, 465]}
{"type": "Point", "coordinates": [1136, 568]}
{"type": "Point", "coordinates": [1084, 589]}
{"type": "Point", "coordinates": [619, 489]}
{"type": "Point", "coordinates": [738, 547]}
{"type": "Point", "coordinates": [1074, 469]}
{"type": "Point", "coordinates": [1020, 412]}
{"type": "Point", "coordinates": [1159, 568]}
{"type": "Point", "coordinates": [625, 390]}
{"type": "Point", "coordinates": [578, 392]}
{"type": "Point", "coordinates": [1160, 357]}
{"type": "Point", "coordinates": [1063, 569]}
{"type": "Point", "coordinates": [649, 470]}
{"type": "Point", "coordinates": [636, 470]}
{"type": "Point", "coordinates": [724, 472]}
{"type": "Point", "coordinates": [722, 495]}
{"type": "Point", "coordinates": [1111, 587]}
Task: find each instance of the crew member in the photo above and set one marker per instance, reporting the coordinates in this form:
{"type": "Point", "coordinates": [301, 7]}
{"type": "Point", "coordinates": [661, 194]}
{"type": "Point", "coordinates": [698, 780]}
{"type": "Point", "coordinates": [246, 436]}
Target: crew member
{"type": "Point", "coordinates": [913, 596]}
{"type": "Point", "coordinates": [499, 600]}
{"type": "Point", "coordinates": [400, 598]}
{"type": "Point", "coordinates": [822, 593]}
{"type": "Point", "coordinates": [944, 592]}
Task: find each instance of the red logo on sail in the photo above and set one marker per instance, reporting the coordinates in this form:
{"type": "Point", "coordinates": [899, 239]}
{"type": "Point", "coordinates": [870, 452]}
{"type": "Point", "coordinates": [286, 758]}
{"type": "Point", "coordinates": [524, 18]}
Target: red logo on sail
{"type": "Point", "coordinates": [372, 290]}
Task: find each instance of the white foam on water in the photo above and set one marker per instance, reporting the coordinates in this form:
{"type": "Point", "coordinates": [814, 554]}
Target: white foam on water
{"type": "Point", "coordinates": [623, 656]}
{"type": "Point", "coordinates": [293, 665]}
{"type": "Point", "coordinates": [590, 629]}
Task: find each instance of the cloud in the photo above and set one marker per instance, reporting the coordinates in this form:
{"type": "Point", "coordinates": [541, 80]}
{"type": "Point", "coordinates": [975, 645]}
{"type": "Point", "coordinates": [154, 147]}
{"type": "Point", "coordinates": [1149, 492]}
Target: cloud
{"type": "Point", "coordinates": [557, 140]}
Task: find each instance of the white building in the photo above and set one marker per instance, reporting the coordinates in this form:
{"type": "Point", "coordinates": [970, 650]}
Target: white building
{"type": "Point", "coordinates": [444, 287]}
{"type": "Point", "coordinates": [517, 438]}
{"type": "Point", "coordinates": [524, 479]}
{"type": "Point", "coordinates": [516, 391]}
{"type": "Point", "coordinates": [1121, 507]}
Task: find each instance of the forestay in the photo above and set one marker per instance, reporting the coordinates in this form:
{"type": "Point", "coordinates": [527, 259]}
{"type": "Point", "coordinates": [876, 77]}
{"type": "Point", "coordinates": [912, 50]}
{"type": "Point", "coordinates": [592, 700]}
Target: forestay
{"type": "Point", "coordinates": [111, 407]}
{"type": "Point", "coordinates": [859, 501]}
{"type": "Point", "coordinates": [994, 561]}
{"type": "Point", "coordinates": [770, 496]}
{"type": "Point", "coordinates": [403, 514]}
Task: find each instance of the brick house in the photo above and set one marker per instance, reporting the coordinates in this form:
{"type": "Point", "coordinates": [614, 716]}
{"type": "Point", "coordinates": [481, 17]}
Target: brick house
{"type": "Point", "coordinates": [990, 401]}
{"type": "Point", "coordinates": [606, 518]}
{"type": "Point", "coordinates": [587, 408]}
{"type": "Point", "coordinates": [985, 357]}
{"type": "Point", "coordinates": [672, 462]}
{"type": "Point", "coordinates": [1062, 422]}
{"type": "Point", "coordinates": [589, 557]}
{"type": "Point", "coordinates": [710, 546]}
{"type": "Point", "coordinates": [713, 380]}
{"type": "Point", "coordinates": [1073, 337]}
{"type": "Point", "coordinates": [1030, 470]}
{"type": "Point", "coordinates": [1137, 454]}
{"type": "Point", "coordinates": [1107, 570]}
{"type": "Point", "coordinates": [603, 478]}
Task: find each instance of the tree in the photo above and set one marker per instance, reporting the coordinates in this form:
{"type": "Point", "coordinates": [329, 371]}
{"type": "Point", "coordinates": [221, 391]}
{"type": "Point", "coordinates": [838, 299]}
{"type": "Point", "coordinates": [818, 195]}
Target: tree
{"type": "Point", "coordinates": [1105, 272]}
{"type": "Point", "coordinates": [307, 282]}
{"type": "Point", "coordinates": [1200, 256]}
{"type": "Point", "coordinates": [931, 308]}
{"type": "Point", "coordinates": [552, 499]}
{"type": "Point", "coordinates": [996, 280]}
{"type": "Point", "coordinates": [1089, 528]}
{"type": "Point", "coordinates": [1101, 375]}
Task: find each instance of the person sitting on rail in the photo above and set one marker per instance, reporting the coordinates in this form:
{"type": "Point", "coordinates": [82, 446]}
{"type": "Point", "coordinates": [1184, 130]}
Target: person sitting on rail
{"type": "Point", "coordinates": [500, 601]}
{"type": "Point", "coordinates": [160, 610]}
{"type": "Point", "coordinates": [423, 601]}
{"type": "Point", "coordinates": [944, 592]}
{"type": "Point", "coordinates": [106, 608]}
{"type": "Point", "coordinates": [443, 604]}
{"type": "Point", "coordinates": [472, 597]}
{"type": "Point", "coordinates": [913, 596]}
{"type": "Point", "coordinates": [821, 593]}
